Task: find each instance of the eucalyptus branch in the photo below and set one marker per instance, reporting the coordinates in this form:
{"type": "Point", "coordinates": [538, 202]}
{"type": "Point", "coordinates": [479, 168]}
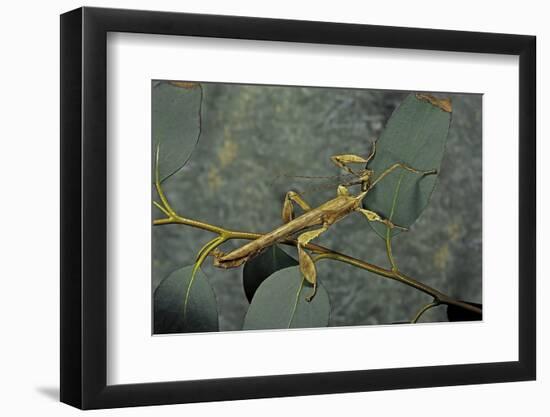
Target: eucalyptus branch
{"type": "Point", "coordinates": [389, 250]}
{"type": "Point", "coordinates": [323, 253]}
{"type": "Point", "coordinates": [423, 310]}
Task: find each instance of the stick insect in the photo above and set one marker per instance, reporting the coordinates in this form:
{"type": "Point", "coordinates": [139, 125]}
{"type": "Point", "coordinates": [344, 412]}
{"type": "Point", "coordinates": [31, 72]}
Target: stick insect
{"type": "Point", "coordinates": [324, 216]}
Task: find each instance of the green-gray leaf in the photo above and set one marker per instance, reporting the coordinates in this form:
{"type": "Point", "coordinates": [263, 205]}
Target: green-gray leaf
{"type": "Point", "coordinates": [279, 303]}
{"type": "Point", "coordinates": [201, 313]}
{"type": "Point", "coordinates": [260, 267]}
{"type": "Point", "coordinates": [416, 135]}
{"type": "Point", "coordinates": [176, 123]}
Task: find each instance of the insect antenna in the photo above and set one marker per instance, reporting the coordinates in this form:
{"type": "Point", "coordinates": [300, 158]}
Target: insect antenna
{"type": "Point", "coordinates": [328, 181]}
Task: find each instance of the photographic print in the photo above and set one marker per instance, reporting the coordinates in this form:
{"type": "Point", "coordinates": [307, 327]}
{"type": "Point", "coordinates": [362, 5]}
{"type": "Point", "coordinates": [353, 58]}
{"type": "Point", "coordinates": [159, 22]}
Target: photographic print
{"type": "Point", "coordinates": [293, 207]}
{"type": "Point", "coordinates": [319, 207]}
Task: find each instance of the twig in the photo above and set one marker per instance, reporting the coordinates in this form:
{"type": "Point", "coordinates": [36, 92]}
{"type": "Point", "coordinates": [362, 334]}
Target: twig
{"type": "Point", "coordinates": [324, 253]}
{"type": "Point", "coordinates": [423, 310]}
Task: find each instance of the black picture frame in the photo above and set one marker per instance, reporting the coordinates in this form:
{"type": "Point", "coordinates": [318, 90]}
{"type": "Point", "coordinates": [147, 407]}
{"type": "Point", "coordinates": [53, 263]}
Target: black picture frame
{"type": "Point", "coordinates": [84, 207]}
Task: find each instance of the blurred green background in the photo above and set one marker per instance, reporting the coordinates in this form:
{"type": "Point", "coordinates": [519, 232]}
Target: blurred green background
{"type": "Point", "coordinates": [254, 138]}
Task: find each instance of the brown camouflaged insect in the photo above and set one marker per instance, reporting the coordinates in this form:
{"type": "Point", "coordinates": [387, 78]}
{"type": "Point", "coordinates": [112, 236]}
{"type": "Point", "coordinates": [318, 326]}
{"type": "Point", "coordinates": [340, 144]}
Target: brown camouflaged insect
{"type": "Point", "coordinates": [324, 215]}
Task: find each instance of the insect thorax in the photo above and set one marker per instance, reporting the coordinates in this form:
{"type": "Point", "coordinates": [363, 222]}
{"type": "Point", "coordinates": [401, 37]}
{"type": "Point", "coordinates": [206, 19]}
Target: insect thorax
{"type": "Point", "coordinates": [365, 176]}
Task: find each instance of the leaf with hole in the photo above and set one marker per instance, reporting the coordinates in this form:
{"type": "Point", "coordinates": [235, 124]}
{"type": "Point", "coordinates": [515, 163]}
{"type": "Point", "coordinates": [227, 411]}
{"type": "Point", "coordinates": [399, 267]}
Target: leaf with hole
{"type": "Point", "coordinates": [176, 123]}
{"type": "Point", "coordinates": [279, 303]}
{"type": "Point", "coordinates": [201, 312]}
{"type": "Point", "coordinates": [257, 269]}
{"type": "Point", "coordinates": [416, 135]}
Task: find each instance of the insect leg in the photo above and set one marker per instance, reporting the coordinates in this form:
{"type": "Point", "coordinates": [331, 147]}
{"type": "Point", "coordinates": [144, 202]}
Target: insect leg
{"type": "Point", "coordinates": [372, 152]}
{"type": "Point", "coordinates": [375, 217]}
{"type": "Point", "coordinates": [342, 161]}
{"type": "Point", "coordinates": [307, 266]}
{"type": "Point", "coordinates": [288, 208]}
{"type": "Point", "coordinates": [402, 166]}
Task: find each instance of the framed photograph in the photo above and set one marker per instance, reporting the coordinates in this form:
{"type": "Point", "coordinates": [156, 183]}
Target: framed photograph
{"type": "Point", "coordinates": [257, 208]}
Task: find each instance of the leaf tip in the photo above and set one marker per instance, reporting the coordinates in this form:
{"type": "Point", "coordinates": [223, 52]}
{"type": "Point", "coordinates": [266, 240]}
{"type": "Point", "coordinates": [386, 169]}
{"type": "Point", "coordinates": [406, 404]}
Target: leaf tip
{"type": "Point", "coordinates": [184, 84]}
{"type": "Point", "coordinates": [444, 104]}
